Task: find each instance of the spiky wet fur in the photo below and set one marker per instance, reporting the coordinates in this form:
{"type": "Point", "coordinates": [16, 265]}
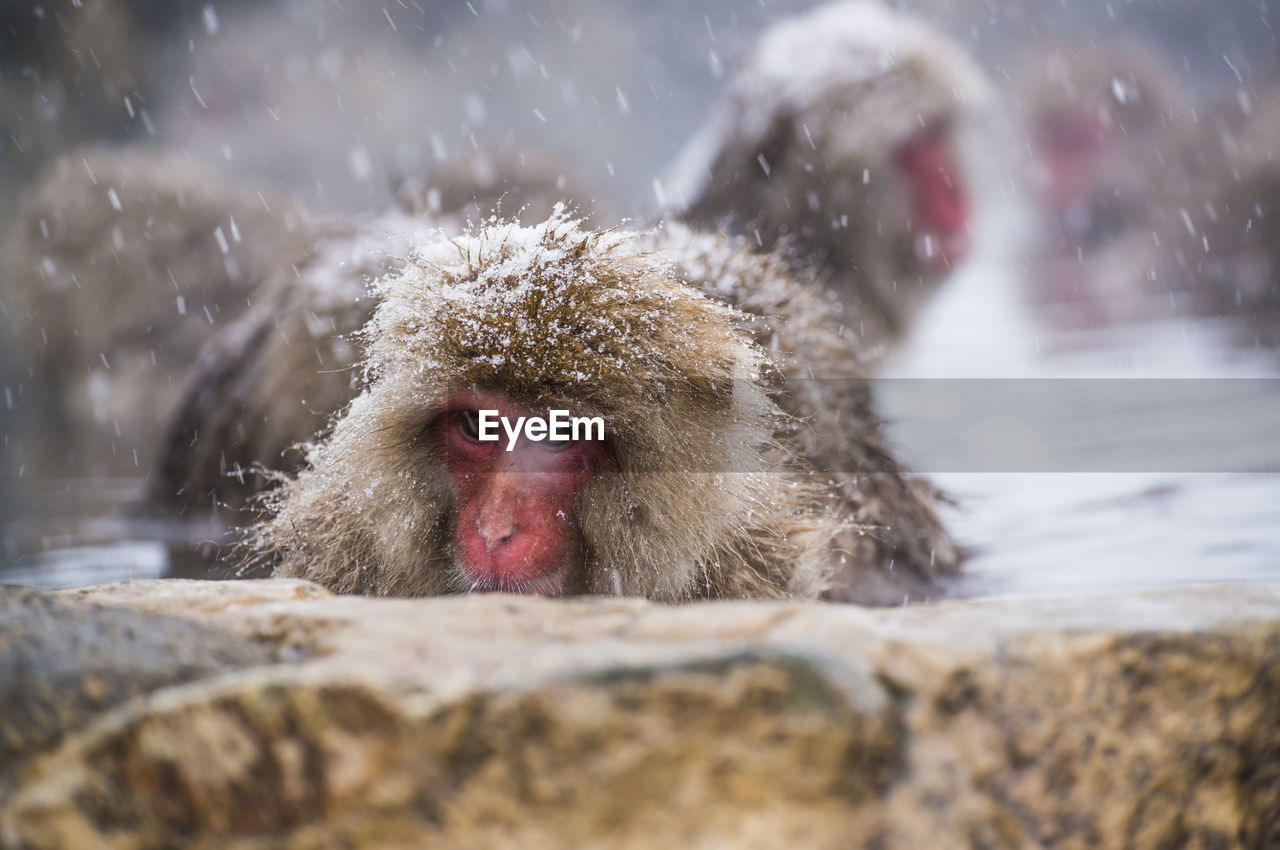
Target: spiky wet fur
{"type": "Point", "coordinates": [706, 496]}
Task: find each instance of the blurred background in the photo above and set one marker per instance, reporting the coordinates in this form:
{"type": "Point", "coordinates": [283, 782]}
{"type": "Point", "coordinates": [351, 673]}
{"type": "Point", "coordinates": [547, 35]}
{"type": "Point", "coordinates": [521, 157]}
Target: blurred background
{"type": "Point", "coordinates": [1111, 241]}
{"type": "Point", "coordinates": [336, 100]}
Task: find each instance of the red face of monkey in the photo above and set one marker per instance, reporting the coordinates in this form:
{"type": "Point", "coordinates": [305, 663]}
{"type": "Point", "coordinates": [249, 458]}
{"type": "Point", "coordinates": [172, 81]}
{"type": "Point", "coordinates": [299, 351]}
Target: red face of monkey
{"type": "Point", "coordinates": [1070, 144]}
{"type": "Point", "coordinates": [937, 194]}
{"type": "Point", "coordinates": [515, 528]}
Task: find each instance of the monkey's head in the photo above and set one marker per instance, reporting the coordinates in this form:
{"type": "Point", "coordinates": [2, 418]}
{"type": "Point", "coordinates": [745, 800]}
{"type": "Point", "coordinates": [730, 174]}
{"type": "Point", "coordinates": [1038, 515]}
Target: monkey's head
{"type": "Point", "coordinates": [678, 497]}
{"type": "Point", "coordinates": [841, 132]}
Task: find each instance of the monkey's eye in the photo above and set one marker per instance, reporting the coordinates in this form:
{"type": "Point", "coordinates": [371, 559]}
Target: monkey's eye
{"type": "Point", "coordinates": [558, 445]}
{"type": "Point", "coordinates": [469, 424]}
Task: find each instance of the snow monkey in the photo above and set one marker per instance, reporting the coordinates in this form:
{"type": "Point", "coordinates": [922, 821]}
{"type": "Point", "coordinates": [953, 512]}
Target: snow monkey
{"type": "Point", "coordinates": [1102, 124]}
{"type": "Point", "coordinates": [118, 265]}
{"type": "Point", "coordinates": [839, 138]}
{"type": "Point", "coordinates": [733, 463]}
{"type": "Point", "coordinates": [1156, 206]}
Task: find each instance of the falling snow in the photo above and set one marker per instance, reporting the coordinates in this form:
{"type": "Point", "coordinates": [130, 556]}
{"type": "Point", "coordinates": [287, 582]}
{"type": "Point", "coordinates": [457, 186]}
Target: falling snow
{"type": "Point", "coordinates": [1133, 238]}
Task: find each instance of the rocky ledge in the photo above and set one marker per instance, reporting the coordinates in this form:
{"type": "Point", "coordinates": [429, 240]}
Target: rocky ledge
{"type": "Point", "coordinates": [271, 714]}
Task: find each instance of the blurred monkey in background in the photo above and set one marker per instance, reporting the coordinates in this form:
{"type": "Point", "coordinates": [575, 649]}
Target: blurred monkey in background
{"type": "Point", "coordinates": [839, 142]}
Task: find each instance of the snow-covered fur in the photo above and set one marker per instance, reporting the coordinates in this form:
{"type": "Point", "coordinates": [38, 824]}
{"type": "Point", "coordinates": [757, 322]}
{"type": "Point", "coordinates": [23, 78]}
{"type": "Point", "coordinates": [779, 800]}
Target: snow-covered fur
{"type": "Point", "coordinates": [799, 150]}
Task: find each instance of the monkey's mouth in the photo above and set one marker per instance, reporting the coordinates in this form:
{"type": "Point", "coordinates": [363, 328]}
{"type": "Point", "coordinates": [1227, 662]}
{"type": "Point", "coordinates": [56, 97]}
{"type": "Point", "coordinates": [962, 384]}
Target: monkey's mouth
{"type": "Point", "coordinates": [549, 584]}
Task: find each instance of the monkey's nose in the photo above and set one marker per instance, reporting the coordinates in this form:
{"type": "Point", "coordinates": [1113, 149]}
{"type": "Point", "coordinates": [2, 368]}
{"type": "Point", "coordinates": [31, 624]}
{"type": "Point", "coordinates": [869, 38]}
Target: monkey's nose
{"type": "Point", "coordinates": [496, 531]}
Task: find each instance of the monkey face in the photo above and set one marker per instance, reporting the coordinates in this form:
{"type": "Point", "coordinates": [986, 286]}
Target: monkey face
{"type": "Point", "coordinates": [515, 525]}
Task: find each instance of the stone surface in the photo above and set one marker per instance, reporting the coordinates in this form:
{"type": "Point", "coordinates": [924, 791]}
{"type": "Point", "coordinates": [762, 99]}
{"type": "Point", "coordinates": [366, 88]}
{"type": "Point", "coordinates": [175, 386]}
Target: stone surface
{"type": "Point", "coordinates": [1139, 720]}
{"type": "Point", "coordinates": [64, 660]}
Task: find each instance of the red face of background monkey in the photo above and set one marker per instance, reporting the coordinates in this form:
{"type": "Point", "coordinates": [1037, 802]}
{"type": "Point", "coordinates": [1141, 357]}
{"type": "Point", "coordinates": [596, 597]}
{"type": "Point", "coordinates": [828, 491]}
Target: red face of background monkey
{"type": "Point", "coordinates": [1098, 121]}
{"type": "Point", "coordinates": [1071, 143]}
